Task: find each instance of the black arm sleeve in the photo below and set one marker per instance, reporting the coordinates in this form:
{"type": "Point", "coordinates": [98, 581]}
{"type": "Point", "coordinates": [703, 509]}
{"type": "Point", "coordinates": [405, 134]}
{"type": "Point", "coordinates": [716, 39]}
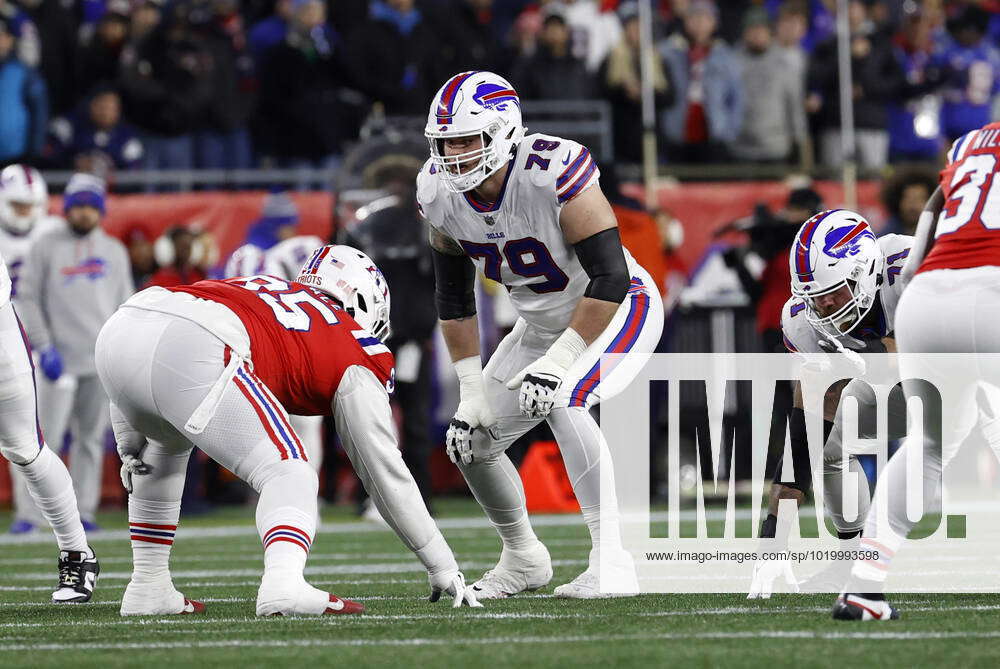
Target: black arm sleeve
{"type": "Point", "coordinates": [454, 286]}
{"type": "Point", "coordinates": [603, 260]}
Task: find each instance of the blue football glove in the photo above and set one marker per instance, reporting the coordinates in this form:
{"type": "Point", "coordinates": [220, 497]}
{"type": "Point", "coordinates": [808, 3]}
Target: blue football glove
{"type": "Point", "coordinates": [51, 363]}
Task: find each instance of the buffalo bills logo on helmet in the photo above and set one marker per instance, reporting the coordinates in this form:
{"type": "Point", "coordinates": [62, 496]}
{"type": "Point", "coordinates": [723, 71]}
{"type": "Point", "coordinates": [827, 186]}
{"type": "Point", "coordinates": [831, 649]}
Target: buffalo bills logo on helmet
{"type": "Point", "coordinates": [846, 241]}
{"type": "Point", "coordinates": [495, 96]}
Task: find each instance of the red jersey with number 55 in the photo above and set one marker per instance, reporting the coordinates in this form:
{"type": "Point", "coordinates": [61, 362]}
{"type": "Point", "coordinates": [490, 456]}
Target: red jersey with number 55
{"type": "Point", "coordinates": [968, 228]}
{"type": "Point", "coordinates": [301, 341]}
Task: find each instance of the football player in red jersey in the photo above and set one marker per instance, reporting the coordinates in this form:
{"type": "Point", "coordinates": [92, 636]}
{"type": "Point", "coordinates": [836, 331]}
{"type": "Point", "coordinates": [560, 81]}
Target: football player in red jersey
{"type": "Point", "coordinates": [220, 365]}
{"type": "Point", "coordinates": [949, 306]}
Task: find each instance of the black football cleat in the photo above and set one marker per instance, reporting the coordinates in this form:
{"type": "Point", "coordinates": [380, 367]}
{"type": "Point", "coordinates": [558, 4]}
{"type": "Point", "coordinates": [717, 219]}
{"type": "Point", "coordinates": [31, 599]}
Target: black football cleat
{"type": "Point", "coordinates": [78, 572]}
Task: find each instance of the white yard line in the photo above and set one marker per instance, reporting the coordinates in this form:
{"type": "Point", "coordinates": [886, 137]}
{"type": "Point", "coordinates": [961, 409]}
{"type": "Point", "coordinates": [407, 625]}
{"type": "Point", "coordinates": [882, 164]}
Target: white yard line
{"type": "Point", "coordinates": [311, 570]}
{"type": "Point", "coordinates": [517, 640]}
{"type": "Point", "coordinates": [468, 523]}
{"type": "Point", "coordinates": [465, 615]}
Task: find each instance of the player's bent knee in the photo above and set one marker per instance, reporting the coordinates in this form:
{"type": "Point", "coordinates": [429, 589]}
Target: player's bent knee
{"type": "Point", "coordinates": [20, 449]}
{"type": "Point", "coordinates": [298, 472]}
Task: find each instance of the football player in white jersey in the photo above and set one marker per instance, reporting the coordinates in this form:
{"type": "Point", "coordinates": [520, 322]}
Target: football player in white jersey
{"type": "Point", "coordinates": [24, 203]}
{"type": "Point", "coordinates": [22, 199]}
{"type": "Point", "coordinates": [845, 287]}
{"type": "Point", "coordinates": [525, 211]}
{"type": "Point", "coordinates": [284, 260]}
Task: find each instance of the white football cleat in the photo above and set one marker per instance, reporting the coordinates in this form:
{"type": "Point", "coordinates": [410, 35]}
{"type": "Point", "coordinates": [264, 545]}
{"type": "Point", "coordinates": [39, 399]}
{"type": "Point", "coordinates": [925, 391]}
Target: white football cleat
{"type": "Point", "coordinates": [517, 571]}
{"type": "Point", "coordinates": [283, 594]}
{"type": "Point", "coordinates": [157, 599]}
{"type": "Point", "coordinates": [621, 580]}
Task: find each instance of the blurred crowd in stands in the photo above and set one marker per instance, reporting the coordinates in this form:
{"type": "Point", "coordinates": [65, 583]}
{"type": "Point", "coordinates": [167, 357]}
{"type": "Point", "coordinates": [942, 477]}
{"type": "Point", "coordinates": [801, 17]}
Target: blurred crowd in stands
{"type": "Point", "coordinates": [104, 85]}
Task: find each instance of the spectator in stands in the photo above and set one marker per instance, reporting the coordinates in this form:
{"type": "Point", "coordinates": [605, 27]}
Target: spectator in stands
{"type": "Point", "coordinates": [970, 70]}
{"type": "Point", "coordinates": [467, 35]}
{"type": "Point", "coordinates": [904, 196]}
{"type": "Point", "coordinates": [620, 83]}
{"type": "Point", "coordinates": [707, 111]}
{"type": "Point", "coordinates": [595, 30]}
{"type": "Point", "coordinates": [166, 86]}
{"type": "Point", "coordinates": [178, 265]}
{"type": "Point", "coordinates": [789, 31]}
{"type": "Point", "coordinates": [301, 119]}
{"type": "Point", "coordinates": [820, 16]}
{"type": "Point", "coordinates": [98, 57]}
{"type": "Point", "coordinates": [877, 79]}
{"type": "Point", "coordinates": [146, 15]}
{"type": "Point", "coordinates": [271, 31]}
{"type": "Point", "coordinates": [23, 102]}
{"type": "Point", "coordinates": [223, 142]}
{"type": "Point", "coordinates": [140, 254]}
{"type": "Point", "coordinates": [553, 72]}
{"type": "Point", "coordinates": [403, 78]}
{"type": "Point", "coordinates": [28, 48]}
{"type": "Point", "coordinates": [94, 134]}
{"type": "Point", "coordinates": [914, 118]}
{"type": "Point", "coordinates": [58, 27]}
{"type": "Point", "coordinates": [774, 115]}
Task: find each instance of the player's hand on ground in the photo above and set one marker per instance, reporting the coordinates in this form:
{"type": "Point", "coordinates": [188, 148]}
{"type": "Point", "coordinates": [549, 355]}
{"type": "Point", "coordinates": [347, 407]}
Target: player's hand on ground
{"type": "Point", "coordinates": [539, 383]}
{"type": "Point", "coordinates": [473, 412]}
{"type": "Point", "coordinates": [766, 572]}
{"type": "Point", "coordinates": [453, 584]}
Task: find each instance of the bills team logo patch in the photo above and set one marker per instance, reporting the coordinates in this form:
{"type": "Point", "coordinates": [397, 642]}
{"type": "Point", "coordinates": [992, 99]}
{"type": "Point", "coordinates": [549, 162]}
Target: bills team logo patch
{"type": "Point", "coordinates": [846, 241]}
{"type": "Point", "coordinates": [494, 96]}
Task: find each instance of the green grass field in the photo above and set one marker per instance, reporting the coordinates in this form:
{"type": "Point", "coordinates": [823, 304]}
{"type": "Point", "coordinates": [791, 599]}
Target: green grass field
{"type": "Point", "coordinates": [217, 559]}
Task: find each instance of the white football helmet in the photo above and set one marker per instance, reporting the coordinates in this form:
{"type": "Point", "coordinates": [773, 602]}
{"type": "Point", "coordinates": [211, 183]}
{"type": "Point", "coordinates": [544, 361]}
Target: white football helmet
{"type": "Point", "coordinates": [350, 277]}
{"type": "Point", "coordinates": [473, 104]}
{"type": "Point", "coordinates": [833, 249]}
{"type": "Point", "coordinates": [20, 184]}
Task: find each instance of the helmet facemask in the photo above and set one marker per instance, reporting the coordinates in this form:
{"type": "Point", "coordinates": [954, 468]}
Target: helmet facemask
{"type": "Point", "coordinates": [862, 285]}
{"type": "Point", "coordinates": [487, 159]}
{"type": "Point", "coordinates": [374, 318]}
{"type": "Point", "coordinates": [19, 224]}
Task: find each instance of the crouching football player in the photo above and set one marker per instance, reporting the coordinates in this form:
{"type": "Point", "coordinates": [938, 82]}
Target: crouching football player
{"type": "Point", "coordinates": [219, 365]}
{"type": "Point", "coordinates": [845, 288]}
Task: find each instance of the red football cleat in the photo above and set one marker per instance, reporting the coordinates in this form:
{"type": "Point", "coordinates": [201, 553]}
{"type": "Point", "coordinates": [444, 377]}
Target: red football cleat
{"type": "Point", "coordinates": [192, 607]}
{"type": "Point", "coordinates": [340, 607]}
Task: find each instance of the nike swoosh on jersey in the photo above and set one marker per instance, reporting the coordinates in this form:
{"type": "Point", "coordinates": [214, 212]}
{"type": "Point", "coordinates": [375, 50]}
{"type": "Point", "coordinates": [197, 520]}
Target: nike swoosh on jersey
{"type": "Point", "coordinates": [566, 160]}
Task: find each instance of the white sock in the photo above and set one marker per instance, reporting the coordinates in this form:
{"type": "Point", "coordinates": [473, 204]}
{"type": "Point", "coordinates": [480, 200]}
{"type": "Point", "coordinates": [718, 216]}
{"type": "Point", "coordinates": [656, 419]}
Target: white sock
{"type": "Point", "coordinates": [498, 489]}
{"type": "Point", "coordinates": [153, 511]}
{"type": "Point", "coordinates": [49, 483]}
{"type": "Point", "coordinates": [152, 526]}
{"type": "Point", "coordinates": [587, 459]}
{"type": "Point", "coordinates": [286, 516]}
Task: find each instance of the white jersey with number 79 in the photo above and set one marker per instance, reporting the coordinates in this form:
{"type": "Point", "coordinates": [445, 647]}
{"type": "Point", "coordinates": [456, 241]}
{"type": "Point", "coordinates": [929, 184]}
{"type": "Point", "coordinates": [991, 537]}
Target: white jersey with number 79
{"type": "Point", "coordinates": [517, 240]}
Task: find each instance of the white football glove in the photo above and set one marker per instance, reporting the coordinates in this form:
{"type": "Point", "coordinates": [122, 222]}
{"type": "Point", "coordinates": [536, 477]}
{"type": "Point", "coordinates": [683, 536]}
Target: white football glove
{"type": "Point", "coordinates": [132, 466]}
{"type": "Point", "coordinates": [473, 411]}
{"type": "Point", "coordinates": [766, 572]}
{"type": "Point", "coordinates": [130, 443]}
{"type": "Point", "coordinates": [540, 381]}
{"type": "Point", "coordinates": [453, 584]}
